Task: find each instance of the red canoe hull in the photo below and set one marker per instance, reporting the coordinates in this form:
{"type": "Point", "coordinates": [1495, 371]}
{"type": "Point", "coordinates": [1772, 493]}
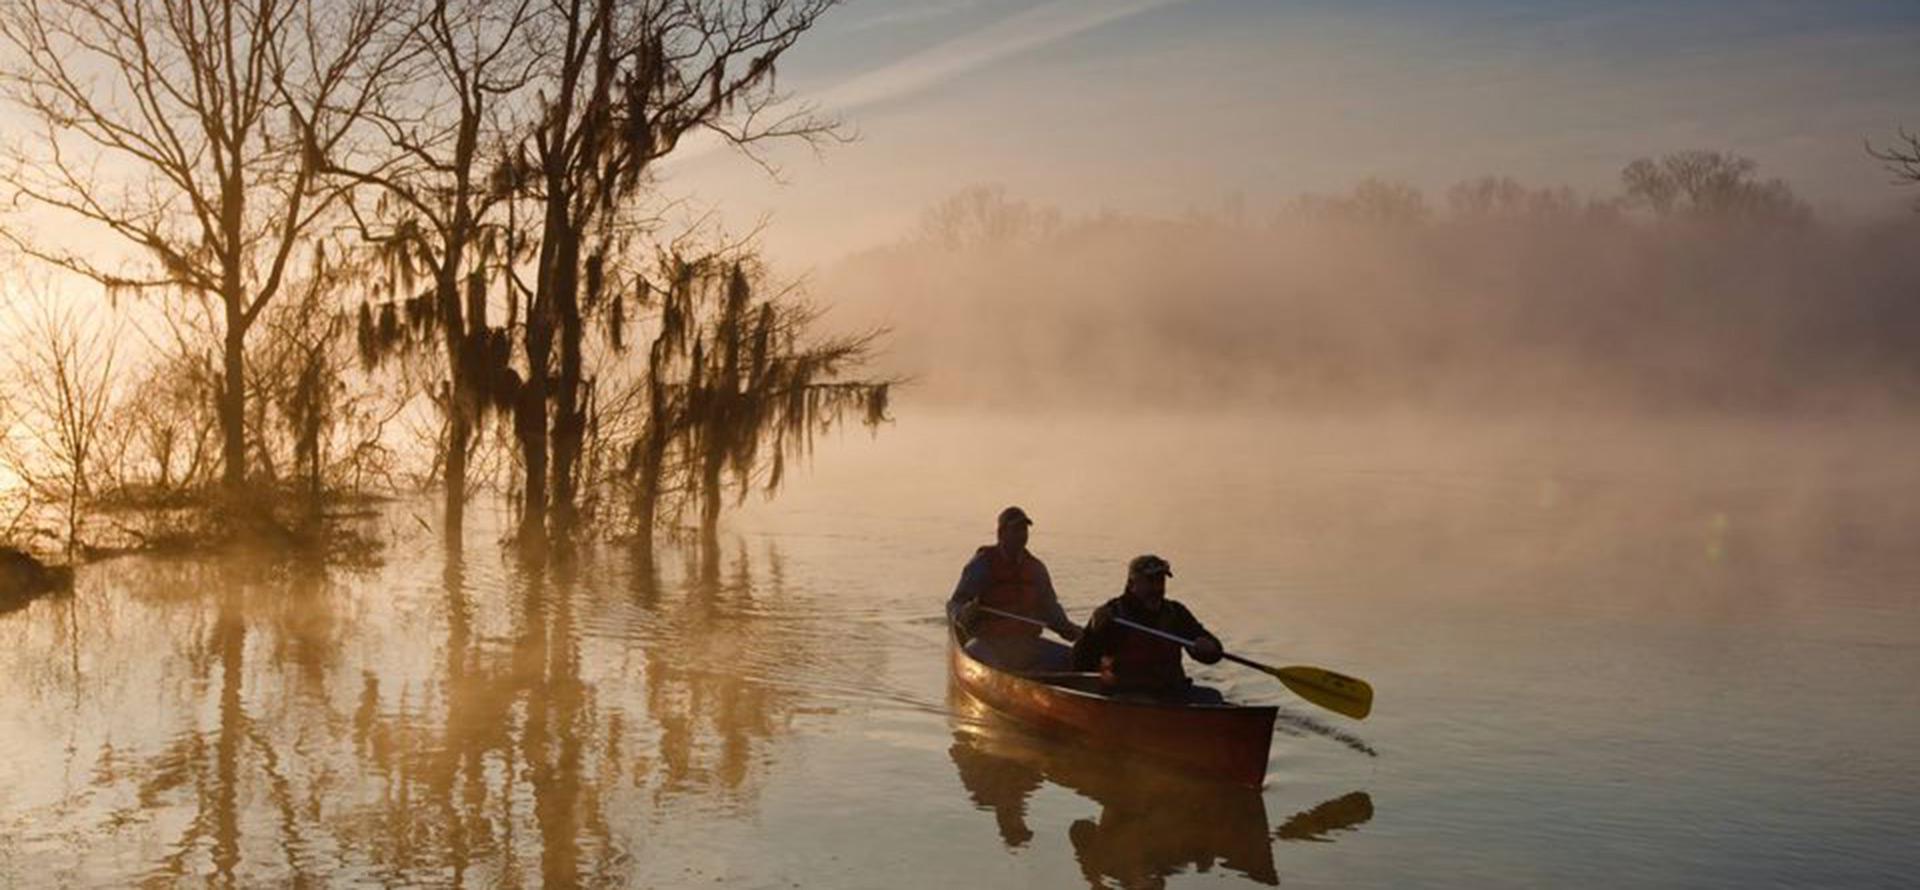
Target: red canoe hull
{"type": "Point", "coordinates": [1224, 742]}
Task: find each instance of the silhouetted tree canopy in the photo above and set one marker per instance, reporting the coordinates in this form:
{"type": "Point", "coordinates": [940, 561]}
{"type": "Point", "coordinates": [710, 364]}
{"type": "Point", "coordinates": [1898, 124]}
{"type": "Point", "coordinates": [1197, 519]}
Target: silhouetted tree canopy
{"type": "Point", "coordinates": [1503, 197]}
{"type": "Point", "coordinates": [1711, 185]}
{"type": "Point", "coordinates": [1372, 202]}
{"type": "Point", "coordinates": [985, 215]}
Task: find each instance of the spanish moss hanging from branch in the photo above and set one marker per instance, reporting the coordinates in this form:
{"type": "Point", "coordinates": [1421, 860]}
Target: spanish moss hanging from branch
{"type": "Point", "coordinates": [739, 382]}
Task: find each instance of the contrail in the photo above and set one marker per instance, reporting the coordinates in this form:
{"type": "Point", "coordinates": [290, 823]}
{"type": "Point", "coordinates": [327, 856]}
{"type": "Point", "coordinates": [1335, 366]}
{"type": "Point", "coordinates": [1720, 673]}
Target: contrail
{"type": "Point", "coordinates": [1045, 24]}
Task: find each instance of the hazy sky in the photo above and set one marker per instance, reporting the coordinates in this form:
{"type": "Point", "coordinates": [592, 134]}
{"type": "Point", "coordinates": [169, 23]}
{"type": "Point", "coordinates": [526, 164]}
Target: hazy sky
{"type": "Point", "coordinates": [1165, 105]}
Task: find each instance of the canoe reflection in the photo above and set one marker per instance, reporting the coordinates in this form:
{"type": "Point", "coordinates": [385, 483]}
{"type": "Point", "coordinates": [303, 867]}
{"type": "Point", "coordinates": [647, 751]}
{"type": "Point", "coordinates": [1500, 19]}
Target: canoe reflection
{"type": "Point", "coordinates": [1151, 824]}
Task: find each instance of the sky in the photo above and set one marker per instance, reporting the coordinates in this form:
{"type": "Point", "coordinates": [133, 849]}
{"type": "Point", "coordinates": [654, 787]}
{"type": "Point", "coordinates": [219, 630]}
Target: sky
{"type": "Point", "coordinates": [1170, 106]}
{"type": "Point", "coordinates": [1166, 107]}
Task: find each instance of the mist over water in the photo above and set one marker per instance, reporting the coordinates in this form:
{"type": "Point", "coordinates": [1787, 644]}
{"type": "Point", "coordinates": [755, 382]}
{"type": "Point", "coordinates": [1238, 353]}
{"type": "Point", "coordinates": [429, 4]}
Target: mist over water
{"type": "Point", "coordinates": [1510, 298]}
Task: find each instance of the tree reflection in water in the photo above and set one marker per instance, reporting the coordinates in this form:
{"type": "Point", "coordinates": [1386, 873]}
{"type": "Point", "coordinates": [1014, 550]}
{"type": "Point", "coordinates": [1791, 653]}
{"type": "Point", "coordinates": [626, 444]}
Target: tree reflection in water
{"type": "Point", "coordinates": [461, 723]}
{"type": "Point", "coordinates": [1150, 825]}
{"type": "Point", "coordinates": [529, 741]}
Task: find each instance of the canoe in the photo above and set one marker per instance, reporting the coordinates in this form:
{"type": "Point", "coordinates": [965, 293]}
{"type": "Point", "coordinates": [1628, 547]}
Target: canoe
{"type": "Point", "coordinates": [1224, 742]}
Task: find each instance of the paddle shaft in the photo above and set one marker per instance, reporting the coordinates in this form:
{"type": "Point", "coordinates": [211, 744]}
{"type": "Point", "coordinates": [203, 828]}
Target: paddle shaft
{"type": "Point", "coordinates": [1189, 643]}
{"type": "Point", "coordinates": [1136, 626]}
{"type": "Point", "coordinates": [1175, 638]}
{"type": "Point", "coordinates": [1015, 616]}
{"type": "Point", "coordinates": [1333, 691]}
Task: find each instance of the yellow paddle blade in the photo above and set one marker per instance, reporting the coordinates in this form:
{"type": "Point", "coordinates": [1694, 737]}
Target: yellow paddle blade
{"type": "Point", "coordinates": [1336, 692]}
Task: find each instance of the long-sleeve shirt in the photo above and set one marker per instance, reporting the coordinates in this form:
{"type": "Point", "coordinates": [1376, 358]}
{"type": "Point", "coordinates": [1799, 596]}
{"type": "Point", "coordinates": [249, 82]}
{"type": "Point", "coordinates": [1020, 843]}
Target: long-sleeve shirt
{"type": "Point", "coordinates": [977, 576]}
{"type": "Point", "coordinates": [1102, 632]}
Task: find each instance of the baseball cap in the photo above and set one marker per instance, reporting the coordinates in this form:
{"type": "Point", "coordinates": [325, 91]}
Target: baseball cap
{"type": "Point", "coordinates": [1148, 565]}
{"type": "Point", "coordinates": [1012, 514]}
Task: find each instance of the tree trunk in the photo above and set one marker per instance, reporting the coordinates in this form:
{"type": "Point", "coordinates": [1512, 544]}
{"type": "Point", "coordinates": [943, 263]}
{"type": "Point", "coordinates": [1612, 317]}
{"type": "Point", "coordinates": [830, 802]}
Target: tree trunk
{"type": "Point", "coordinates": [652, 464]}
{"type": "Point", "coordinates": [569, 421]}
{"type": "Point", "coordinates": [530, 427]}
{"type": "Point", "coordinates": [462, 402]}
{"type": "Point", "coordinates": [530, 413]}
{"type": "Point", "coordinates": [462, 368]}
{"type": "Point", "coordinates": [73, 515]}
{"type": "Point", "coordinates": [233, 400]}
{"type": "Point", "coordinates": [316, 488]}
{"type": "Point", "coordinates": [459, 436]}
{"type": "Point", "coordinates": [711, 464]}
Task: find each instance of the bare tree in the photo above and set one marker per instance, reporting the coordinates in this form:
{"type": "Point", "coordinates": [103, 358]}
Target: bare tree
{"type": "Point", "coordinates": [1902, 158]}
{"type": "Point", "coordinates": [62, 379]}
{"type": "Point", "coordinates": [193, 132]}
{"type": "Point", "coordinates": [167, 427]}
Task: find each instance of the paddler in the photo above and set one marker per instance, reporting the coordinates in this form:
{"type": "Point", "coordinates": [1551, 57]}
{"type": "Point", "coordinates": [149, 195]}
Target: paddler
{"type": "Point", "coordinates": [1004, 576]}
{"type": "Point", "coordinates": [1131, 661]}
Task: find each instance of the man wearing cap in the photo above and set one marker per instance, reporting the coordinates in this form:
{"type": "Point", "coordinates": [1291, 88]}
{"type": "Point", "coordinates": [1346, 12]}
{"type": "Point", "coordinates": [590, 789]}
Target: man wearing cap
{"type": "Point", "coordinates": [1004, 576]}
{"type": "Point", "coordinates": [1131, 661]}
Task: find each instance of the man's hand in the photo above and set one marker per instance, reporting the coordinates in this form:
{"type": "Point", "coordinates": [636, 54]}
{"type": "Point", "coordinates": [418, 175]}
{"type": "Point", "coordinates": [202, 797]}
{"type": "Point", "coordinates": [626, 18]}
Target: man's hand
{"type": "Point", "coordinates": [1069, 632]}
{"type": "Point", "coordinates": [1206, 649]}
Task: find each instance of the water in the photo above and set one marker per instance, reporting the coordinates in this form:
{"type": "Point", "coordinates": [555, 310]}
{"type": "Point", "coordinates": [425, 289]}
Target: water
{"type": "Point", "coordinates": [1663, 653]}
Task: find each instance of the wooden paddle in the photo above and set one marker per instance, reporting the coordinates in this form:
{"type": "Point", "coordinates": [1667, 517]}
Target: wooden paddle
{"type": "Point", "coordinates": [1334, 691]}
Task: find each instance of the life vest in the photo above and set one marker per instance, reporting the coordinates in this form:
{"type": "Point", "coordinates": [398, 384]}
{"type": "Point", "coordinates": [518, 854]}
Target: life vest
{"type": "Point", "coordinates": [1014, 586]}
{"type": "Point", "coordinates": [1141, 661]}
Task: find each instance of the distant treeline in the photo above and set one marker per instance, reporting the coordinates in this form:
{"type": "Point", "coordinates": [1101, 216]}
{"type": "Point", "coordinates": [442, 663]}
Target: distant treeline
{"type": "Point", "coordinates": [1698, 285]}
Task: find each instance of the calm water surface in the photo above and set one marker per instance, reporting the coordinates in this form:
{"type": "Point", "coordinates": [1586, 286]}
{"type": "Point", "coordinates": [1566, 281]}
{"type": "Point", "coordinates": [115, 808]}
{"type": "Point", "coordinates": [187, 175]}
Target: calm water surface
{"type": "Point", "coordinates": [1671, 654]}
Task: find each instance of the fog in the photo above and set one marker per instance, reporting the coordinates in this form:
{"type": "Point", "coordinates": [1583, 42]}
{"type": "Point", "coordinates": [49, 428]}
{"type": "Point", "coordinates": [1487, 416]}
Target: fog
{"type": "Point", "coordinates": [1497, 295]}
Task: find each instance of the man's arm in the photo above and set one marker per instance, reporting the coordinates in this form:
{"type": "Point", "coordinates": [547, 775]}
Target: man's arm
{"type": "Point", "coordinates": [1054, 614]}
{"type": "Point", "coordinates": [973, 581]}
{"type": "Point", "coordinates": [1206, 647]}
{"type": "Point", "coordinates": [1094, 642]}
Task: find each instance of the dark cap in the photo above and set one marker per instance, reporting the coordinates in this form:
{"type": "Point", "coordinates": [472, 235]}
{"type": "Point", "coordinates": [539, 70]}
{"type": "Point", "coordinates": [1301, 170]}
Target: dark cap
{"type": "Point", "coordinates": [1012, 514]}
{"type": "Point", "coordinates": [1149, 565]}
